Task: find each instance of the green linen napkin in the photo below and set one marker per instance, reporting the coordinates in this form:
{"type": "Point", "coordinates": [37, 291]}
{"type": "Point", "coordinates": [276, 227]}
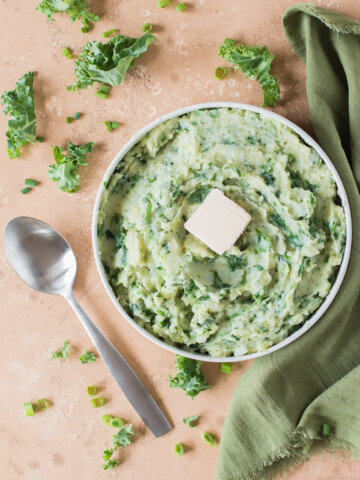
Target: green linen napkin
{"type": "Point", "coordinates": [276, 414]}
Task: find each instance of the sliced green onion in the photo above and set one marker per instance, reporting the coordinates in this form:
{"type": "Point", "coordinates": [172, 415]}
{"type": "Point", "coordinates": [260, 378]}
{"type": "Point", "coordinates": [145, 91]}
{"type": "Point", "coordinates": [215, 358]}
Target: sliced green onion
{"type": "Point", "coordinates": [77, 115]}
{"type": "Point", "coordinates": [102, 91]}
{"type": "Point", "coordinates": [28, 409]}
{"type": "Point", "coordinates": [25, 190]}
{"type": "Point", "coordinates": [116, 422]}
{"type": "Point", "coordinates": [163, 3]}
{"type": "Point", "coordinates": [97, 402]}
{"type": "Point", "coordinates": [86, 26]}
{"type": "Point", "coordinates": [147, 27]}
{"type": "Point", "coordinates": [107, 419]}
{"type": "Point", "coordinates": [225, 368]}
{"type": "Point", "coordinates": [220, 73]}
{"type": "Point", "coordinates": [30, 182]}
{"type": "Point", "coordinates": [181, 7]}
{"type": "Point", "coordinates": [148, 210]}
{"type": "Point", "coordinates": [208, 438]}
{"type": "Point", "coordinates": [39, 139]}
{"type": "Point", "coordinates": [179, 449]}
{"type": "Point", "coordinates": [326, 429]}
{"type": "Point", "coordinates": [43, 403]}
{"type": "Point", "coordinates": [109, 32]}
{"type": "Point", "coordinates": [67, 53]}
{"type": "Point", "coordinates": [91, 390]}
{"type": "Point", "coordinates": [69, 119]}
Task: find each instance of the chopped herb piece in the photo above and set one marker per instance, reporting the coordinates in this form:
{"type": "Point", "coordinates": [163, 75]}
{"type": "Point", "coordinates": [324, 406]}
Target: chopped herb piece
{"type": "Point", "coordinates": [43, 403]}
{"type": "Point", "coordinates": [111, 125]}
{"type": "Point", "coordinates": [69, 119]}
{"type": "Point", "coordinates": [163, 3]}
{"type": "Point", "coordinates": [64, 353]}
{"type": "Point", "coordinates": [110, 464]}
{"type": "Point", "coordinates": [220, 73]}
{"type": "Point", "coordinates": [189, 377]}
{"type": "Point", "coordinates": [147, 27]}
{"type": "Point", "coordinates": [91, 390]}
{"type": "Point", "coordinates": [102, 91]}
{"type": "Point", "coordinates": [19, 105]}
{"type": "Point", "coordinates": [326, 430]}
{"type": "Point", "coordinates": [97, 402]}
{"type": "Point", "coordinates": [109, 32]}
{"type": "Point", "coordinates": [77, 9]}
{"type": "Point", "coordinates": [179, 449]}
{"type": "Point", "coordinates": [278, 221]}
{"type": "Point", "coordinates": [64, 171]}
{"type": "Point", "coordinates": [87, 357]}
{"type": "Point", "coordinates": [255, 63]}
{"type": "Point", "coordinates": [225, 368]}
{"type": "Point", "coordinates": [67, 53]}
{"type": "Point", "coordinates": [189, 421]}
{"type": "Point", "coordinates": [199, 195]}
{"type": "Point", "coordinates": [28, 409]}
{"type": "Point", "coordinates": [235, 263]}
{"type": "Point", "coordinates": [77, 115]}
{"type": "Point", "coordinates": [108, 63]}
{"type": "Point", "coordinates": [30, 182]}
{"type": "Point", "coordinates": [25, 190]}
{"type": "Point", "coordinates": [123, 437]}
{"type": "Point", "coordinates": [218, 283]}
{"type": "Point", "coordinates": [165, 323]}
{"type": "Point", "coordinates": [181, 7]}
{"type": "Point", "coordinates": [208, 438]}
{"type": "Point", "coordinates": [86, 26]}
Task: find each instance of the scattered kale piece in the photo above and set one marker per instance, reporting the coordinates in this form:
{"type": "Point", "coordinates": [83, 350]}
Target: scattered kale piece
{"type": "Point", "coordinates": [64, 353]}
{"type": "Point", "coordinates": [77, 9]}
{"type": "Point", "coordinates": [189, 377]}
{"type": "Point", "coordinates": [87, 357]}
{"type": "Point", "coordinates": [189, 421]}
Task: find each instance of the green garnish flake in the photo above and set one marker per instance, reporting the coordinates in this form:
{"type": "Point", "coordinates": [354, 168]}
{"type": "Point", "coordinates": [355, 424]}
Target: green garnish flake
{"type": "Point", "coordinates": [110, 126]}
{"type": "Point", "coordinates": [115, 422]}
{"type": "Point", "coordinates": [225, 368]}
{"type": "Point", "coordinates": [102, 92]}
{"type": "Point", "coordinates": [108, 63]}
{"type": "Point", "coordinates": [147, 27]}
{"type": "Point", "coordinates": [108, 33]}
{"type": "Point", "coordinates": [19, 105]}
{"type": "Point", "coordinates": [25, 190]}
{"type": "Point", "coordinates": [110, 464]}
{"type": "Point", "coordinates": [220, 73]}
{"type": "Point", "coordinates": [208, 438]}
{"type": "Point", "coordinates": [30, 182]}
{"type": "Point", "coordinates": [326, 430]}
{"type": "Point", "coordinates": [28, 409]}
{"type": "Point", "coordinates": [97, 402]}
{"type": "Point", "coordinates": [91, 390]}
{"type": "Point", "coordinates": [86, 26]}
{"type": "Point", "coordinates": [179, 449]}
{"type": "Point", "coordinates": [87, 357]}
{"type": "Point", "coordinates": [163, 3]}
{"type": "Point", "coordinates": [43, 403]}
{"type": "Point", "coordinates": [123, 437]}
{"type": "Point", "coordinates": [189, 421]}
{"type": "Point", "coordinates": [255, 63]}
{"type": "Point", "coordinates": [180, 7]}
{"type": "Point", "coordinates": [189, 377]}
{"type": "Point", "coordinates": [67, 53]}
{"type": "Point", "coordinates": [64, 171]}
{"type": "Point", "coordinates": [77, 9]}
{"type": "Point", "coordinates": [63, 353]}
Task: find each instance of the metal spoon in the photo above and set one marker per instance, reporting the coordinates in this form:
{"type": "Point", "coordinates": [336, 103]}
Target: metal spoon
{"type": "Point", "coordinates": [45, 261]}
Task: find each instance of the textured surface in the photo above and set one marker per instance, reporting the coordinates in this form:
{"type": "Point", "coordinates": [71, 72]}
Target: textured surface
{"type": "Point", "coordinates": [68, 439]}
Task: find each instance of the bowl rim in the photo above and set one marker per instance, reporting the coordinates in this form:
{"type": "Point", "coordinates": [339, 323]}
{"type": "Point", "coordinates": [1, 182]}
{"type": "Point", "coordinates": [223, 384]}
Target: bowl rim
{"type": "Point", "coordinates": [341, 192]}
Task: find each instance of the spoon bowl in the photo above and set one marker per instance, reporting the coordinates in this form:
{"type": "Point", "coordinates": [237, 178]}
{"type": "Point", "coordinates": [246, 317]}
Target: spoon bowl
{"type": "Point", "coordinates": [40, 256]}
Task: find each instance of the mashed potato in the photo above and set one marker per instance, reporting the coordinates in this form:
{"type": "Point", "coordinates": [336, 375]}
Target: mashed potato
{"type": "Point", "coordinates": [278, 272]}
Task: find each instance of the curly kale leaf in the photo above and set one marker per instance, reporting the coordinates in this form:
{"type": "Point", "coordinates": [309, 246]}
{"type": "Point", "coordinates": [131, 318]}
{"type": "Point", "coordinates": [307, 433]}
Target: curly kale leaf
{"type": "Point", "coordinates": [77, 9]}
{"type": "Point", "coordinates": [64, 171]}
{"type": "Point", "coordinates": [255, 63]}
{"type": "Point", "coordinates": [123, 437]}
{"type": "Point", "coordinates": [108, 63]}
{"type": "Point", "coordinates": [19, 105]}
{"type": "Point", "coordinates": [189, 377]}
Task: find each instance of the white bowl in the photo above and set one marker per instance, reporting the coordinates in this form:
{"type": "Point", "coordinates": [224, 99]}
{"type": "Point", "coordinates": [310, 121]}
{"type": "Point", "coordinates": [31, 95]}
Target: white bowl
{"type": "Point", "coordinates": [341, 190]}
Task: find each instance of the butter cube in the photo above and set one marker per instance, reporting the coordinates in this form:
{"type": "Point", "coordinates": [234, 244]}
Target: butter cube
{"type": "Point", "coordinates": [218, 222]}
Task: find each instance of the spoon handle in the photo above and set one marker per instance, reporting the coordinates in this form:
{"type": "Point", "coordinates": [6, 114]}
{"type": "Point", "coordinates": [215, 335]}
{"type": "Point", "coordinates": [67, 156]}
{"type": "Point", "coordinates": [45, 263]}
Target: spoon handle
{"type": "Point", "coordinates": [125, 377]}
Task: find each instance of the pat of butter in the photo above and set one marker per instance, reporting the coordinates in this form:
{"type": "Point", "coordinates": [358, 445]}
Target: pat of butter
{"type": "Point", "coordinates": [218, 222]}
